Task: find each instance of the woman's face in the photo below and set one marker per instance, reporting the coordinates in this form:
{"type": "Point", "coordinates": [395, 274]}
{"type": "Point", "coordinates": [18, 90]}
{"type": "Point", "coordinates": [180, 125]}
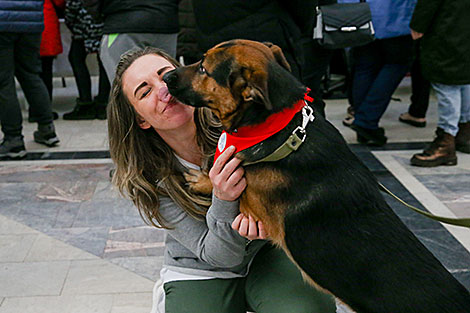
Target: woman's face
{"type": "Point", "coordinates": [143, 86]}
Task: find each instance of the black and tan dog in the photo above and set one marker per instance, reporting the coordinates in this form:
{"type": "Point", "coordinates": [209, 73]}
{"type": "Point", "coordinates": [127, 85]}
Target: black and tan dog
{"type": "Point", "coordinates": [320, 203]}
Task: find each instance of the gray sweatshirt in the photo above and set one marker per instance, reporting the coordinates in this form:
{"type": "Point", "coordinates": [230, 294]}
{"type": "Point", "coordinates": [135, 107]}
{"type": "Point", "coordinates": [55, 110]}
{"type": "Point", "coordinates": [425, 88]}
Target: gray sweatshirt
{"type": "Point", "coordinates": [207, 248]}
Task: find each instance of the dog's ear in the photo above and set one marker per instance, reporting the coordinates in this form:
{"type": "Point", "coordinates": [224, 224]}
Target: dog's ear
{"type": "Point", "coordinates": [251, 86]}
{"type": "Point", "coordinates": [278, 55]}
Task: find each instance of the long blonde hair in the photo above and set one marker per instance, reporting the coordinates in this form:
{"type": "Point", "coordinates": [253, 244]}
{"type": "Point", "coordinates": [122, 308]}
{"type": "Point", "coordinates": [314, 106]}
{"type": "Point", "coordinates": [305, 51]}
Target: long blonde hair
{"type": "Point", "coordinates": [146, 167]}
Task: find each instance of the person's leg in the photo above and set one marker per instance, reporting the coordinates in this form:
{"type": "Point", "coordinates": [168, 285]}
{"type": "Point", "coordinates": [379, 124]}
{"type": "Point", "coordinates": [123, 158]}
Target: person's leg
{"type": "Point", "coordinates": [104, 88]}
{"type": "Point", "coordinates": [442, 149]}
{"type": "Point", "coordinates": [84, 108]}
{"type": "Point", "coordinates": [380, 93]}
{"type": "Point", "coordinates": [396, 54]}
{"type": "Point", "coordinates": [46, 74]}
{"type": "Point", "coordinates": [367, 63]}
{"type": "Point", "coordinates": [465, 108]}
{"type": "Point", "coordinates": [462, 140]}
{"type": "Point", "coordinates": [275, 285]}
{"type": "Point", "coordinates": [314, 68]}
{"type": "Point", "coordinates": [449, 100]}
{"type": "Point", "coordinates": [10, 111]}
{"type": "Point", "coordinates": [205, 296]}
{"type": "Point", "coordinates": [77, 59]}
{"type": "Point", "coordinates": [27, 69]}
{"type": "Point", "coordinates": [420, 89]}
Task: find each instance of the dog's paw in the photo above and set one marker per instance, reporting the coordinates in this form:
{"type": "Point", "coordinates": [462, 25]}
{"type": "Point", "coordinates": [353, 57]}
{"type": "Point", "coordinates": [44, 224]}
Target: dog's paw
{"type": "Point", "coordinates": [198, 182]}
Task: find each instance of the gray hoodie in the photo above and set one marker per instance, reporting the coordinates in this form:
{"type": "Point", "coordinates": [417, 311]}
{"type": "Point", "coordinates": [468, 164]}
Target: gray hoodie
{"type": "Point", "coordinates": [209, 247]}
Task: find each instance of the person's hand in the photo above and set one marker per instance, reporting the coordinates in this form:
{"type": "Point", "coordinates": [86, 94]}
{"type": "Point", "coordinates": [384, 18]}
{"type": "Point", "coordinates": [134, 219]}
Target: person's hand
{"type": "Point", "coordinates": [247, 227]}
{"type": "Point", "coordinates": [226, 176]}
{"type": "Point", "coordinates": [415, 35]}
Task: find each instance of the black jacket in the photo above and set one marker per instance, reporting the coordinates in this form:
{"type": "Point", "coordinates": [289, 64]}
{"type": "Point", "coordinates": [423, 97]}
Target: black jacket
{"type": "Point", "coordinates": [276, 21]}
{"type": "Point", "coordinates": [187, 37]}
{"type": "Point", "coordinates": [445, 46]}
{"type": "Point", "coordinates": [135, 16]}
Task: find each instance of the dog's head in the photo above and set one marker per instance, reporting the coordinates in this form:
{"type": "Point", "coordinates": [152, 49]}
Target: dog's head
{"type": "Point", "coordinates": [242, 81]}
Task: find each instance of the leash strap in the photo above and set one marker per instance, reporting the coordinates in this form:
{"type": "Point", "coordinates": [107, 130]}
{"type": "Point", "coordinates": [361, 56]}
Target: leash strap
{"type": "Point", "coordinates": [464, 222]}
{"type": "Point", "coordinates": [293, 142]}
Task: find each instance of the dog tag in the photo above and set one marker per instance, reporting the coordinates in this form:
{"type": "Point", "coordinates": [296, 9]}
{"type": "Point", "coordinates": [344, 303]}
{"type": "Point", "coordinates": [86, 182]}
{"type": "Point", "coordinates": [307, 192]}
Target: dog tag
{"type": "Point", "coordinates": [222, 142]}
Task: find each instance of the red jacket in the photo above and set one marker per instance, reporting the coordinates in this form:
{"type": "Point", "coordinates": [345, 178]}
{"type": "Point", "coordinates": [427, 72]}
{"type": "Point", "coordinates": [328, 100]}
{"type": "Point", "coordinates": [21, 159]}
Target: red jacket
{"type": "Point", "coordinates": [51, 44]}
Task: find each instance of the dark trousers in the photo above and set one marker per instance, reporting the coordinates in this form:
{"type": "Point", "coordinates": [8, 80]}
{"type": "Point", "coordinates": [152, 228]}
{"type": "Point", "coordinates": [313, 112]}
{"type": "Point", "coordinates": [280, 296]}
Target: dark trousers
{"type": "Point", "coordinates": [77, 58]}
{"type": "Point", "coordinates": [19, 56]}
{"type": "Point", "coordinates": [46, 74]}
{"type": "Point", "coordinates": [379, 68]}
{"type": "Point", "coordinates": [316, 61]}
{"type": "Point", "coordinates": [273, 285]}
{"type": "Point", "coordinates": [420, 87]}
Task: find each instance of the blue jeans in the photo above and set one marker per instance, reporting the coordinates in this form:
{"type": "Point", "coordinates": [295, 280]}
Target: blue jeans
{"type": "Point", "coordinates": [379, 68]}
{"type": "Point", "coordinates": [453, 106]}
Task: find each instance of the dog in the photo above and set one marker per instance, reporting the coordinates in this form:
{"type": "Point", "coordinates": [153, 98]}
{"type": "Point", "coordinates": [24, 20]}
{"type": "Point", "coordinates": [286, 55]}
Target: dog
{"type": "Point", "coordinates": [319, 203]}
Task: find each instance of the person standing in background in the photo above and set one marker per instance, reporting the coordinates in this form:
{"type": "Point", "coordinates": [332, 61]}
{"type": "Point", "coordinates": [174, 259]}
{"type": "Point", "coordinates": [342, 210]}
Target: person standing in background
{"type": "Point", "coordinates": [187, 46]}
{"type": "Point", "coordinates": [21, 25]}
{"type": "Point", "coordinates": [51, 46]}
{"type": "Point", "coordinates": [134, 24]}
{"type": "Point", "coordinates": [380, 66]}
{"type": "Point", "coordinates": [444, 31]}
{"type": "Point", "coordinates": [86, 36]}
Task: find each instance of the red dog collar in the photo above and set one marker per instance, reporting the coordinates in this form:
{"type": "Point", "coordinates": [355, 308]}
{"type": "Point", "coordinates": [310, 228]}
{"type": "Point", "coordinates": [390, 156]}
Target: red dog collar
{"type": "Point", "coordinates": [249, 136]}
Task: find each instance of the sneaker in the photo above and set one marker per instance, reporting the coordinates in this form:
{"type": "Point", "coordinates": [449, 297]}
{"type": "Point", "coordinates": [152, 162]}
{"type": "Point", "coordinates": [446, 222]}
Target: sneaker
{"type": "Point", "coordinates": [12, 148]}
{"type": "Point", "coordinates": [46, 135]}
{"type": "Point", "coordinates": [100, 110]}
{"type": "Point", "coordinates": [82, 111]}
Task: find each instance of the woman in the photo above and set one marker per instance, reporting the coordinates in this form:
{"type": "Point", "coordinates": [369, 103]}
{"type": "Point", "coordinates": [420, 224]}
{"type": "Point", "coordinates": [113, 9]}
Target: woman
{"type": "Point", "coordinates": [215, 259]}
{"type": "Point", "coordinates": [86, 36]}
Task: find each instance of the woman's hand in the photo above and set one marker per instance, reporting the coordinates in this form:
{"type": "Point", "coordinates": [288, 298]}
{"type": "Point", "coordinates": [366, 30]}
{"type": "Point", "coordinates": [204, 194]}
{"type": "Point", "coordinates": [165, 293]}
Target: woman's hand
{"type": "Point", "coordinates": [226, 176]}
{"type": "Point", "coordinates": [247, 227]}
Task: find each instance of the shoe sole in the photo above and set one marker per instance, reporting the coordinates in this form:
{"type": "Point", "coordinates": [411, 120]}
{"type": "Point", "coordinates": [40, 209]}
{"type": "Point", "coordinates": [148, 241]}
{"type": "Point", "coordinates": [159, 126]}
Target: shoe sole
{"type": "Point", "coordinates": [15, 155]}
{"type": "Point", "coordinates": [412, 123]}
{"type": "Point", "coordinates": [50, 142]}
{"type": "Point", "coordinates": [434, 163]}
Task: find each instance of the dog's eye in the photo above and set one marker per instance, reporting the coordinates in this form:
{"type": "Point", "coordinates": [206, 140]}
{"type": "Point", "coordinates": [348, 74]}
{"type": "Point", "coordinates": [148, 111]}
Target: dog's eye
{"type": "Point", "coordinates": [201, 69]}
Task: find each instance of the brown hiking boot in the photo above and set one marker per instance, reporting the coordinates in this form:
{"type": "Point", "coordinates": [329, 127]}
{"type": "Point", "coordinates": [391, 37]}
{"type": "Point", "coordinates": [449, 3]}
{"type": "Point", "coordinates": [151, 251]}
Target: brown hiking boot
{"type": "Point", "coordinates": [462, 140]}
{"type": "Point", "coordinates": [440, 152]}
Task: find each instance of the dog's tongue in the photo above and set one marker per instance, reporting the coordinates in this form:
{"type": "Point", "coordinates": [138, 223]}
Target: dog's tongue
{"type": "Point", "coordinates": [164, 95]}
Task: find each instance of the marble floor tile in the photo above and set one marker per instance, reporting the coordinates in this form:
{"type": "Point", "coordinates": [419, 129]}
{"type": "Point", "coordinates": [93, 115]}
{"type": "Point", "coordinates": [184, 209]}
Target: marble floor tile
{"type": "Point", "coordinates": [135, 303]}
{"type": "Point", "coordinates": [32, 279]}
{"type": "Point", "coordinates": [59, 304]}
{"type": "Point", "coordinates": [101, 277]}
{"type": "Point", "coordinates": [46, 248]}
{"type": "Point", "coordinates": [10, 227]}
{"type": "Point", "coordinates": [14, 248]}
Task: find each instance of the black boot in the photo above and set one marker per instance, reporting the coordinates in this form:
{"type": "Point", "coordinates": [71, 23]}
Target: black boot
{"type": "Point", "coordinates": [82, 111]}
{"type": "Point", "coordinates": [100, 107]}
{"type": "Point", "coordinates": [462, 140]}
{"type": "Point", "coordinates": [440, 152]}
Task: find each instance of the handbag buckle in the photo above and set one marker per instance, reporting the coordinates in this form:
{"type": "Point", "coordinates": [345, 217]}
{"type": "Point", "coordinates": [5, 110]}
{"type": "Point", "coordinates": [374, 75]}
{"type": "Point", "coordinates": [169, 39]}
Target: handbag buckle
{"type": "Point", "coordinates": [348, 28]}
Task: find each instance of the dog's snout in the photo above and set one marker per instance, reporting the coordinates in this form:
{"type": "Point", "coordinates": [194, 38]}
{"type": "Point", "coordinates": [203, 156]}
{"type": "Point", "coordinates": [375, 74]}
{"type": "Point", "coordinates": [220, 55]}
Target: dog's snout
{"type": "Point", "coordinates": [171, 79]}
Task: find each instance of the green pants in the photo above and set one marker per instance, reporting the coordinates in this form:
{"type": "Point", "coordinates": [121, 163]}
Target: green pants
{"type": "Point", "coordinates": [273, 285]}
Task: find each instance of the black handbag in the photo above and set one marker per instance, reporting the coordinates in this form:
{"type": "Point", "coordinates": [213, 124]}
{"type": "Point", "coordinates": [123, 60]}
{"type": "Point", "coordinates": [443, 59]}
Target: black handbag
{"type": "Point", "coordinates": [342, 25]}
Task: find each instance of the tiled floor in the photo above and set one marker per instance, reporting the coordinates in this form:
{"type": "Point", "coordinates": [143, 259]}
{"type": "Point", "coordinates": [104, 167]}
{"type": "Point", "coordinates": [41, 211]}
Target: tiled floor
{"type": "Point", "coordinates": [70, 243]}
